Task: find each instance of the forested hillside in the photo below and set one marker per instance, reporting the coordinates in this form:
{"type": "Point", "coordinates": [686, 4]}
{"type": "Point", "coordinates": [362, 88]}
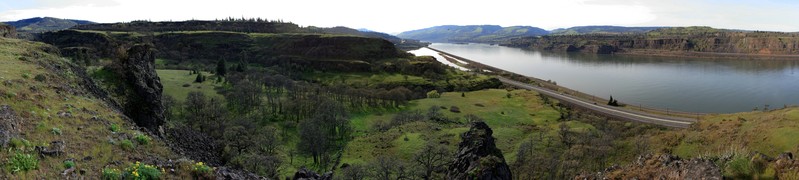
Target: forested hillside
{"type": "Point", "coordinates": [474, 33]}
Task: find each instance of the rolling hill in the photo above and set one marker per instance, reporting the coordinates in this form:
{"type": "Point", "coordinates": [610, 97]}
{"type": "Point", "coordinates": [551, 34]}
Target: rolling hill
{"type": "Point", "coordinates": [602, 30]}
{"type": "Point", "coordinates": [43, 24]}
{"type": "Point", "coordinates": [472, 33]}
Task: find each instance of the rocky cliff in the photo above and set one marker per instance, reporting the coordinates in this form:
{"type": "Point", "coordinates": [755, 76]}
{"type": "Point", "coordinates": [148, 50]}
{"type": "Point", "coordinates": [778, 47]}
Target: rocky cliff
{"type": "Point", "coordinates": [208, 47]}
{"type": "Point", "coordinates": [478, 157]}
{"type": "Point", "coordinates": [698, 40]}
{"type": "Point", "coordinates": [7, 31]}
{"type": "Point", "coordinates": [143, 102]}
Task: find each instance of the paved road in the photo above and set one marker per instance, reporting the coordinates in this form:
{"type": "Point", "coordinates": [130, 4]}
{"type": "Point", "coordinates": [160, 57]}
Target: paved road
{"type": "Point", "coordinates": [621, 113]}
{"type": "Point", "coordinates": [617, 112]}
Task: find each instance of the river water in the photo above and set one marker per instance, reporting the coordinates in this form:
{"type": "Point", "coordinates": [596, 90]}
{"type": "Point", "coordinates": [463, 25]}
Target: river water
{"type": "Point", "coordinates": [675, 83]}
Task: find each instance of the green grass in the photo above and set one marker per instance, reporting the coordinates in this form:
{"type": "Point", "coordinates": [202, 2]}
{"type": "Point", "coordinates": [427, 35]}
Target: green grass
{"type": "Point", "coordinates": [406, 148]}
{"type": "Point", "coordinates": [509, 118]}
{"type": "Point", "coordinates": [364, 79]}
{"type": "Point", "coordinates": [174, 80]}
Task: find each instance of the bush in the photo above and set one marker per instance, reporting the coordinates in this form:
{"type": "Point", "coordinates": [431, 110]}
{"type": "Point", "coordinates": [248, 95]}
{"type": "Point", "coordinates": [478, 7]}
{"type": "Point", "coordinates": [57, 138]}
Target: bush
{"type": "Point", "coordinates": [69, 164]}
{"type": "Point", "coordinates": [23, 162]}
{"type": "Point", "coordinates": [126, 145]}
{"type": "Point", "coordinates": [433, 94]}
{"type": "Point", "coordinates": [202, 171]}
{"type": "Point", "coordinates": [455, 109]}
{"type": "Point", "coordinates": [40, 78]}
{"type": "Point", "coordinates": [739, 166]}
{"type": "Point", "coordinates": [142, 139]}
{"type": "Point", "coordinates": [56, 131]}
{"type": "Point", "coordinates": [141, 171]}
{"type": "Point", "coordinates": [114, 128]}
{"type": "Point", "coordinates": [111, 174]}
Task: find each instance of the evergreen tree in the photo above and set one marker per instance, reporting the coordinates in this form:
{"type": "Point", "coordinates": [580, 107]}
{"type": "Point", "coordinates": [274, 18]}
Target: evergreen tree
{"type": "Point", "coordinates": [221, 70]}
{"type": "Point", "coordinates": [199, 78]}
{"type": "Point", "coordinates": [610, 102]}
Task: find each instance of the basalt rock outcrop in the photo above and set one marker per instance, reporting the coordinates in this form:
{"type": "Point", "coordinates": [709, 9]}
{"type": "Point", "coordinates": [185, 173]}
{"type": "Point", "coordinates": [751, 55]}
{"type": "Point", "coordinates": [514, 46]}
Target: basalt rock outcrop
{"type": "Point", "coordinates": [10, 124]}
{"type": "Point", "coordinates": [7, 31]}
{"type": "Point", "coordinates": [305, 174]}
{"type": "Point", "coordinates": [478, 157]}
{"type": "Point", "coordinates": [143, 90]}
{"type": "Point", "coordinates": [663, 166]}
{"type": "Point", "coordinates": [668, 41]}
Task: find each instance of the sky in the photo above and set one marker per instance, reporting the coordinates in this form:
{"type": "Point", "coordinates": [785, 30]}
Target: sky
{"type": "Point", "coordinates": [404, 15]}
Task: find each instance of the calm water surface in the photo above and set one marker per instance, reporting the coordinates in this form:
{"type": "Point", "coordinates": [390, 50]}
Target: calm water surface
{"type": "Point", "coordinates": [683, 84]}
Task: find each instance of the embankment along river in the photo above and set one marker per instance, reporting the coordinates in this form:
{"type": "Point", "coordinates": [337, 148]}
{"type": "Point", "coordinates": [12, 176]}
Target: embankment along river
{"type": "Point", "coordinates": [677, 83]}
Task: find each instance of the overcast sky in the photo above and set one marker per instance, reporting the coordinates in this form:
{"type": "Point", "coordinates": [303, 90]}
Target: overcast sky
{"type": "Point", "coordinates": [403, 15]}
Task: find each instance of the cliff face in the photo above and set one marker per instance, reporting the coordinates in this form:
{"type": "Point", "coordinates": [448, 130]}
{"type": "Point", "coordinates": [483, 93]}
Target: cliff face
{"type": "Point", "coordinates": [208, 47]}
{"type": "Point", "coordinates": [7, 31]}
{"type": "Point", "coordinates": [760, 43]}
{"type": "Point", "coordinates": [478, 156]}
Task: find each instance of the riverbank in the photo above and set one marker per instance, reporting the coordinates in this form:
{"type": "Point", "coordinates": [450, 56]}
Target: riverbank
{"type": "Point", "coordinates": [706, 55]}
{"type": "Point", "coordinates": [551, 85]}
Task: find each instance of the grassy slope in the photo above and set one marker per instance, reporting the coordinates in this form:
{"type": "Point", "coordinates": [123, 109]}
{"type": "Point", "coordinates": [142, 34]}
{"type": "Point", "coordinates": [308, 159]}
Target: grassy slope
{"type": "Point", "coordinates": [39, 104]}
{"type": "Point", "coordinates": [174, 80]}
{"type": "Point", "coordinates": [513, 121]}
{"type": "Point", "coordinates": [771, 133]}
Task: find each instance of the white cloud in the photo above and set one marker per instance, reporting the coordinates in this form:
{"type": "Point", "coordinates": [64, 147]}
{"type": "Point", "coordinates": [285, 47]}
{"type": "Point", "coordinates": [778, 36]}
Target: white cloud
{"type": "Point", "coordinates": [415, 14]}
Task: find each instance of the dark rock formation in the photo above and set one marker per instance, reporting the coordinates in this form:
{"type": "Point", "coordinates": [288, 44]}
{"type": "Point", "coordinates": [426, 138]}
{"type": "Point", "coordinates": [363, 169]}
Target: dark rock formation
{"type": "Point", "coordinates": [478, 157]}
{"type": "Point", "coordinates": [195, 145]}
{"type": "Point", "coordinates": [662, 166]}
{"type": "Point", "coordinates": [224, 173]}
{"type": "Point", "coordinates": [305, 174]}
{"type": "Point", "coordinates": [7, 31]}
{"type": "Point", "coordinates": [10, 124]}
{"type": "Point", "coordinates": [143, 105]}
{"type": "Point", "coordinates": [56, 149]}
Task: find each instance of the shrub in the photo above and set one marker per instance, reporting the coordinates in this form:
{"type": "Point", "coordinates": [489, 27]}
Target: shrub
{"type": "Point", "coordinates": [114, 128]}
{"type": "Point", "coordinates": [111, 174]}
{"type": "Point", "coordinates": [69, 164]}
{"type": "Point", "coordinates": [142, 139]}
{"type": "Point", "coordinates": [126, 145]}
{"type": "Point", "coordinates": [739, 166]}
{"type": "Point", "coordinates": [202, 171]}
{"type": "Point", "coordinates": [455, 109]}
{"type": "Point", "coordinates": [23, 162]}
{"type": "Point", "coordinates": [40, 78]}
{"type": "Point", "coordinates": [433, 94]}
{"type": "Point", "coordinates": [56, 131]}
{"type": "Point", "coordinates": [141, 171]}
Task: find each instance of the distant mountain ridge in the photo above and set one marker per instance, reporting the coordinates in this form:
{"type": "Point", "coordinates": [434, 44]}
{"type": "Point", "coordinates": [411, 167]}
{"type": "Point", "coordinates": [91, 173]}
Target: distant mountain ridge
{"type": "Point", "coordinates": [44, 24]}
{"type": "Point", "coordinates": [26, 28]}
{"type": "Point", "coordinates": [472, 33]}
{"type": "Point", "coordinates": [603, 30]}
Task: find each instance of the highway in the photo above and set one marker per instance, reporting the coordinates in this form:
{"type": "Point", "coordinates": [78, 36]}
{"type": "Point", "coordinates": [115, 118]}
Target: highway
{"type": "Point", "coordinates": [617, 112]}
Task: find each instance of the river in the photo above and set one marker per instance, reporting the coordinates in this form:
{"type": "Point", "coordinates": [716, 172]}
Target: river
{"type": "Point", "coordinates": [676, 83]}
